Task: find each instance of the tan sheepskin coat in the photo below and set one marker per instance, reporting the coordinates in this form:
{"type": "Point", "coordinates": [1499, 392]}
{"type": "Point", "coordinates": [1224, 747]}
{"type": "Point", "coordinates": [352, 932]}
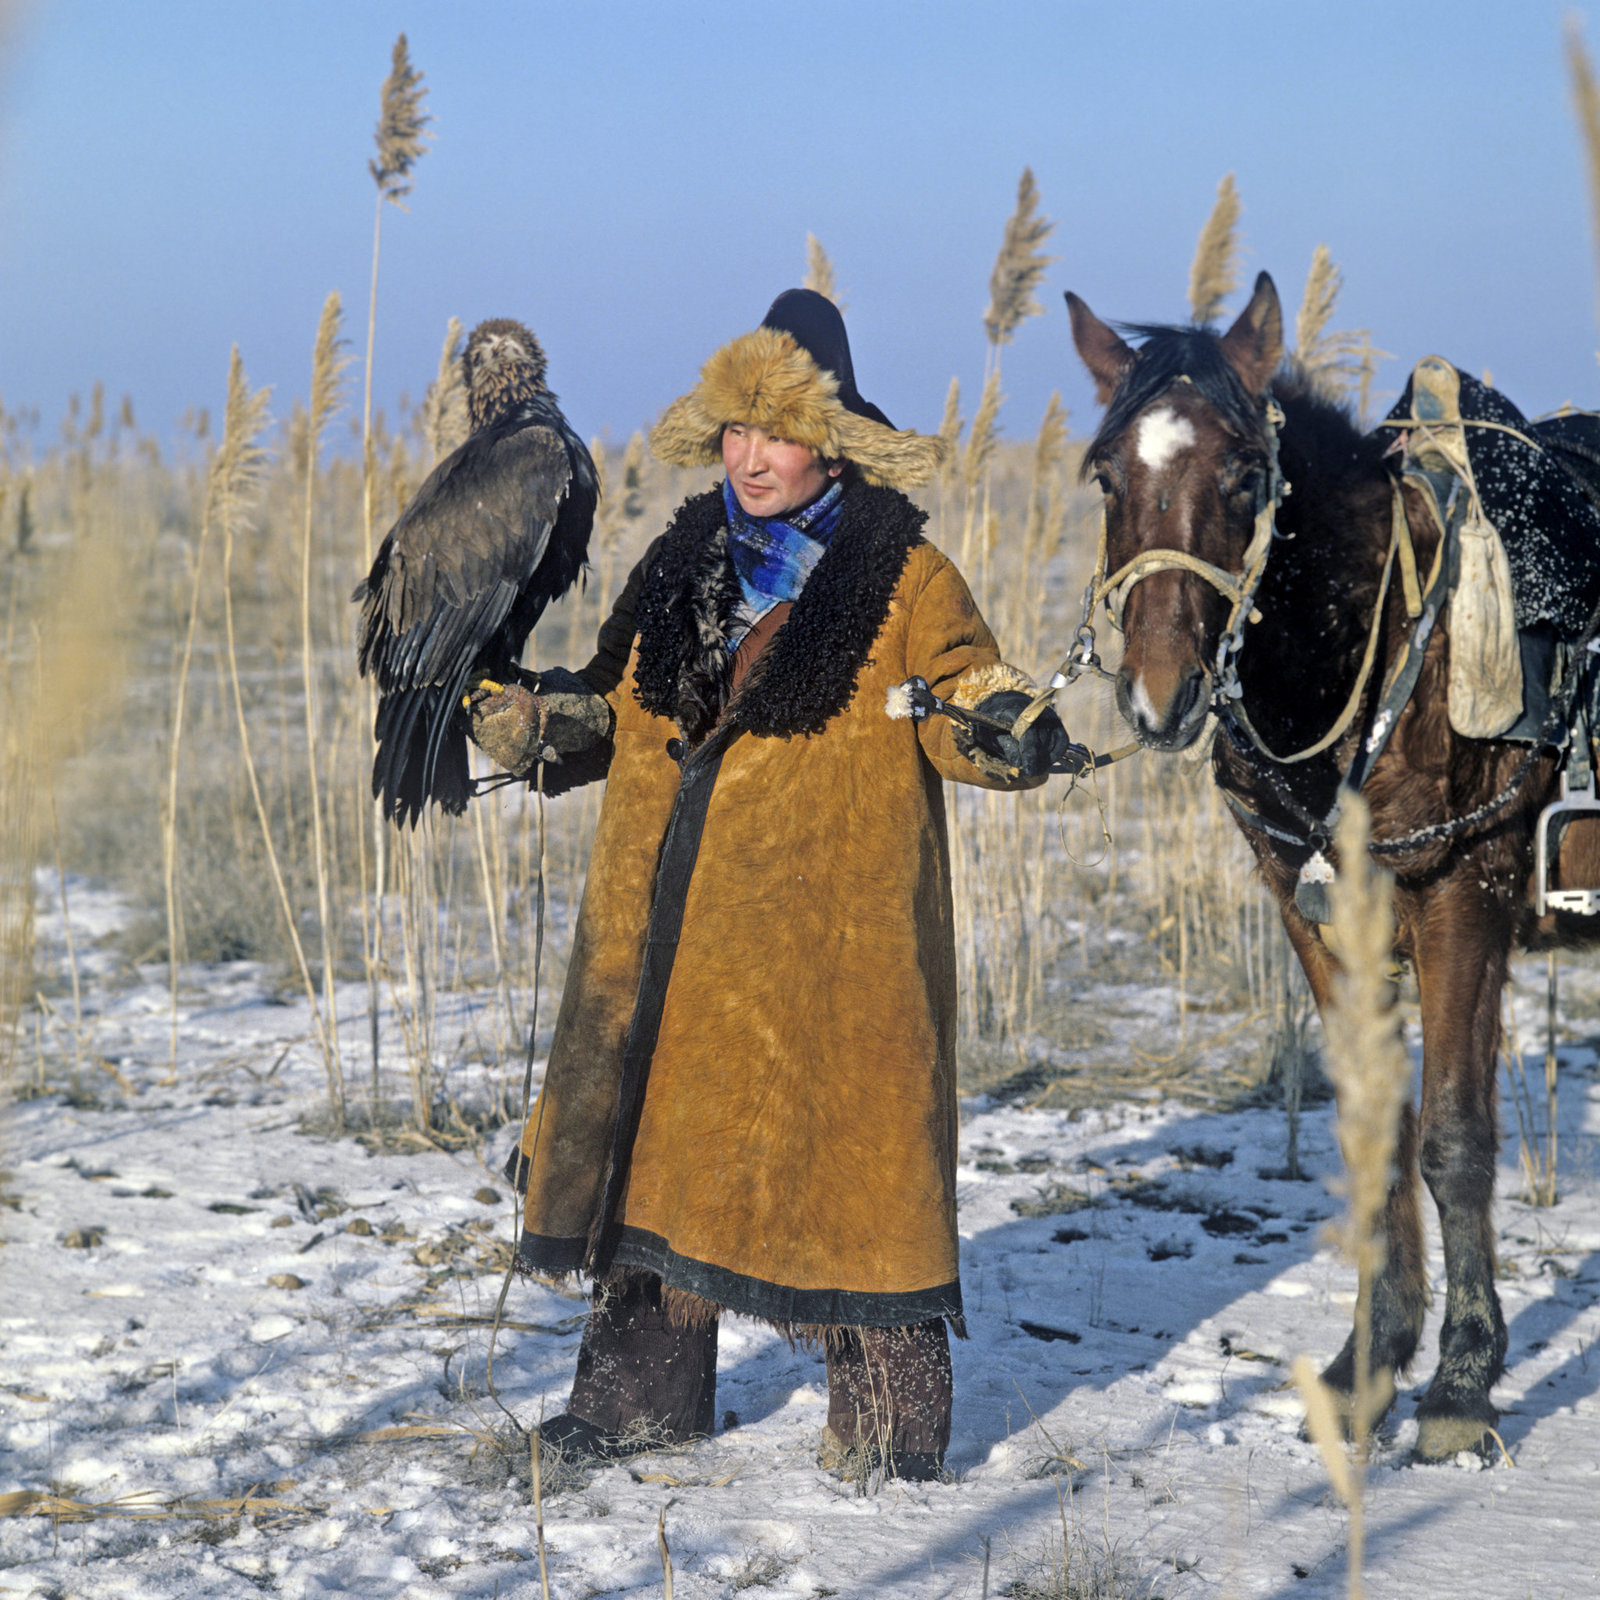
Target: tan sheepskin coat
{"type": "Point", "coordinates": [795, 1155]}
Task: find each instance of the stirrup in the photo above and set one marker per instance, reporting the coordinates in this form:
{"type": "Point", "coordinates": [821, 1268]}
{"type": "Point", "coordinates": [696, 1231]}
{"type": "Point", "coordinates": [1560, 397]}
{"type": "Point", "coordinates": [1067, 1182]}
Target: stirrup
{"type": "Point", "coordinates": [1576, 798]}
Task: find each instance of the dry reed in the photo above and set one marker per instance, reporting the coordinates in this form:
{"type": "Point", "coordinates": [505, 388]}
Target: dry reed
{"type": "Point", "coordinates": [444, 407]}
{"type": "Point", "coordinates": [240, 467]}
{"type": "Point", "coordinates": [819, 271]}
{"type": "Point", "coordinates": [1586, 104]}
{"type": "Point", "coordinates": [328, 363]}
{"type": "Point", "coordinates": [1018, 268]}
{"type": "Point", "coordinates": [401, 141]}
{"type": "Point", "coordinates": [1371, 1071]}
{"type": "Point", "coordinates": [1340, 362]}
{"type": "Point", "coordinates": [1214, 273]}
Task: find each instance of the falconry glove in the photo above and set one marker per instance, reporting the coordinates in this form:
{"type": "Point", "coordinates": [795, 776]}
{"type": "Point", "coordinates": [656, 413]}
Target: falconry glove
{"type": "Point", "coordinates": [562, 719]}
{"type": "Point", "coordinates": [1044, 746]}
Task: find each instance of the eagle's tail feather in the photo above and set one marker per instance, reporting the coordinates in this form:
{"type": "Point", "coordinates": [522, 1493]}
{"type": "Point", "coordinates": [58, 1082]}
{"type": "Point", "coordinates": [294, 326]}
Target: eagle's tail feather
{"type": "Point", "coordinates": [422, 754]}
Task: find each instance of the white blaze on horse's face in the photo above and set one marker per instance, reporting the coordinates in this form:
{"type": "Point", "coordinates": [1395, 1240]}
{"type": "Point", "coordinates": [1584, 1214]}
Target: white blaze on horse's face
{"type": "Point", "coordinates": [1162, 434]}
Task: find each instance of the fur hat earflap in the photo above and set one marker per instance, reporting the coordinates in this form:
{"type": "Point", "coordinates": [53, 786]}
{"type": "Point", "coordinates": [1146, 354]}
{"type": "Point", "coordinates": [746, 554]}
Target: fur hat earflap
{"type": "Point", "coordinates": [768, 380]}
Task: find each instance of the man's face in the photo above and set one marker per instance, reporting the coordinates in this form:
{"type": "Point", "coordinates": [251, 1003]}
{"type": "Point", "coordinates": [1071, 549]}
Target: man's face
{"type": "Point", "coordinates": [771, 476]}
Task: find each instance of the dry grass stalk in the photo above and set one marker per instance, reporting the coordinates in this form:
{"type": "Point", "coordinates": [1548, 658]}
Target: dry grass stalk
{"type": "Point", "coordinates": [1371, 1071]}
{"type": "Point", "coordinates": [534, 1440]}
{"type": "Point", "coordinates": [1536, 1159]}
{"type": "Point", "coordinates": [328, 364]}
{"type": "Point", "coordinates": [1019, 266]}
{"type": "Point", "coordinates": [17, 850]}
{"type": "Point", "coordinates": [819, 271]}
{"type": "Point", "coordinates": [1214, 273]}
{"type": "Point", "coordinates": [236, 479]}
{"type": "Point", "coordinates": [666, 1554]}
{"type": "Point", "coordinates": [1586, 102]}
{"type": "Point", "coordinates": [444, 407]}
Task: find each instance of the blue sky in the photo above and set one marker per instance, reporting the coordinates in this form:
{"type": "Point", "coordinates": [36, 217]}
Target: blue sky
{"type": "Point", "coordinates": [636, 182]}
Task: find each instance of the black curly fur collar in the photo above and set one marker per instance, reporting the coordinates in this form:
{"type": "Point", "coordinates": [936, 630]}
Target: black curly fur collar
{"type": "Point", "coordinates": [808, 673]}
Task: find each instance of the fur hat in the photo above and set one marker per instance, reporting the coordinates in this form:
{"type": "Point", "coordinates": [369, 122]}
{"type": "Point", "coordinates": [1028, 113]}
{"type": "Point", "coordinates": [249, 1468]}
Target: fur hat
{"type": "Point", "coordinates": [793, 378]}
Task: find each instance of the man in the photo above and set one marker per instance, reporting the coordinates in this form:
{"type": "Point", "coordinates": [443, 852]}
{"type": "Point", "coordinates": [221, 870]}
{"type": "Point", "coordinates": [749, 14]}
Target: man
{"type": "Point", "coordinates": [750, 1103]}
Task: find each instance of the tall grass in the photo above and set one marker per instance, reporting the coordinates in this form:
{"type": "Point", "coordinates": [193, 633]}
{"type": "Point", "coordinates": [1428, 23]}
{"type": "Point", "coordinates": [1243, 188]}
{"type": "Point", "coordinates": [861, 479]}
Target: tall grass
{"type": "Point", "coordinates": [260, 844]}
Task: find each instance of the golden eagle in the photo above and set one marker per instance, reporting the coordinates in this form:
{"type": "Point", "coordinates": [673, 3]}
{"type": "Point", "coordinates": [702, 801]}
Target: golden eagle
{"type": "Point", "coordinates": [499, 530]}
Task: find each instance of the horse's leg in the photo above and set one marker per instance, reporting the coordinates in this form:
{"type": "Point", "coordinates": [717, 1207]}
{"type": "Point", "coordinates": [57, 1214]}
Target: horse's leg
{"type": "Point", "coordinates": [1463, 941]}
{"type": "Point", "coordinates": [1400, 1291]}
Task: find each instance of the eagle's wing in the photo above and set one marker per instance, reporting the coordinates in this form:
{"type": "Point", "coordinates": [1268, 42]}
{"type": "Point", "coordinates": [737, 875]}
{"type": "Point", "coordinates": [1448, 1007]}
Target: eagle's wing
{"type": "Point", "coordinates": [451, 568]}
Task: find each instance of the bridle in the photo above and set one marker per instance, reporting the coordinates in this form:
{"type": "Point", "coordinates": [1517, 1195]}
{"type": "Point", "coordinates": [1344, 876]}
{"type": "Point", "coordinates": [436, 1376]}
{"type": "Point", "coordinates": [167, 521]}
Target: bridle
{"type": "Point", "coordinates": [1239, 588]}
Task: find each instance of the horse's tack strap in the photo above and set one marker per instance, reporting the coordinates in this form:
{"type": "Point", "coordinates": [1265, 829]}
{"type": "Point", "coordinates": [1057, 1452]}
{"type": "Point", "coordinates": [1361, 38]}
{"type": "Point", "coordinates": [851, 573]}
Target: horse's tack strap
{"type": "Point", "coordinates": [1412, 425]}
{"type": "Point", "coordinates": [1115, 589]}
{"type": "Point", "coordinates": [1252, 818]}
{"type": "Point", "coordinates": [1400, 534]}
{"type": "Point", "coordinates": [1403, 677]}
{"type": "Point", "coordinates": [1400, 544]}
{"type": "Point", "coordinates": [1352, 705]}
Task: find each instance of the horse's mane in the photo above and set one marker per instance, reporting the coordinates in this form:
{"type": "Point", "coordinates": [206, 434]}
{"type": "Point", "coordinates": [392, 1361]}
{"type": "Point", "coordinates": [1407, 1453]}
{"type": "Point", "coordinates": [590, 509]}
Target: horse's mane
{"type": "Point", "coordinates": [1168, 354]}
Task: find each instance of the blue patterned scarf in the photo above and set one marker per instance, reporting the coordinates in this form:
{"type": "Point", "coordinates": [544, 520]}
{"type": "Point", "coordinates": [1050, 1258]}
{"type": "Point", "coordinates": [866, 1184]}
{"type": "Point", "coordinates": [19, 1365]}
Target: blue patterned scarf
{"type": "Point", "coordinates": [774, 556]}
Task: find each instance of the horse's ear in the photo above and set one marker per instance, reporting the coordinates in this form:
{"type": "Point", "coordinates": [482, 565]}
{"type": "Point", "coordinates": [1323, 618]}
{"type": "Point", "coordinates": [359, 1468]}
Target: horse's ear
{"type": "Point", "coordinates": [1253, 346]}
{"type": "Point", "coordinates": [1107, 356]}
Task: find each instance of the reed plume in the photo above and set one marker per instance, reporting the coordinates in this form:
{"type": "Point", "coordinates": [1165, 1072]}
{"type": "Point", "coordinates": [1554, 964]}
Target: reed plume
{"type": "Point", "coordinates": [1049, 452]}
{"type": "Point", "coordinates": [1586, 102]}
{"type": "Point", "coordinates": [819, 271]}
{"type": "Point", "coordinates": [444, 406]}
{"type": "Point", "coordinates": [1335, 362]}
{"type": "Point", "coordinates": [1019, 266]}
{"type": "Point", "coordinates": [950, 434]}
{"type": "Point", "coordinates": [1214, 273]}
{"type": "Point", "coordinates": [401, 121]}
{"type": "Point", "coordinates": [401, 142]}
{"type": "Point", "coordinates": [983, 436]}
{"type": "Point", "coordinates": [1371, 1071]}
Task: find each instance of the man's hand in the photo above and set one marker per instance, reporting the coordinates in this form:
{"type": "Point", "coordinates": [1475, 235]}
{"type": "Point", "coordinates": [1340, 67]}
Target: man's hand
{"type": "Point", "coordinates": [1045, 745]}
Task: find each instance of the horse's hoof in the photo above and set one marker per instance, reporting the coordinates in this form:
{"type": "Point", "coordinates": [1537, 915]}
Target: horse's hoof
{"type": "Point", "coordinates": [1443, 1438]}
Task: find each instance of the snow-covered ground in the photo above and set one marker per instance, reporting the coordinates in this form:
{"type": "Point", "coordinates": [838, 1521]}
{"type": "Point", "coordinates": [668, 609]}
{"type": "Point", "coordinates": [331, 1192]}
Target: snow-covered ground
{"type": "Point", "coordinates": [260, 1354]}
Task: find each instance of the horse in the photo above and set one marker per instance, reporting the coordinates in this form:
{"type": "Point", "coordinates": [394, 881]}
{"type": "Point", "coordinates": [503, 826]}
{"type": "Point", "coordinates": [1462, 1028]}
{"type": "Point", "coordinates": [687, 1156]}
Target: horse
{"type": "Point", "coordinates": [1200, 432]}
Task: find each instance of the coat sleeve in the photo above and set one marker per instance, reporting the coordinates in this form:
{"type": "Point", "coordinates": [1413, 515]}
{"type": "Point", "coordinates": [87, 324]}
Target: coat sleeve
{"type": "Point", "coordinates": [582, 706]}
{"type": "Point", "coordinates": [608, 667]}
{"type": "Point", "coordinates": [950, 645]}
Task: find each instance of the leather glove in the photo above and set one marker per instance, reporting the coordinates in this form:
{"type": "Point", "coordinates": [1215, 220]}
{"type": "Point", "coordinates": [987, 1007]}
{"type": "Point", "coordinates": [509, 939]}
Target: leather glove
{"type": "Point", "coordinates": [1044, 746]}
{"type": "Point", "coordinates": [517, 727]}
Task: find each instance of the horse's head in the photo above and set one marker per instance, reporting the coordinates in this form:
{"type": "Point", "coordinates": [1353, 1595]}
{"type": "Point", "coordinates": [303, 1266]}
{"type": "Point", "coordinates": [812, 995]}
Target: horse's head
{"type": "Point", "coordinates": [1182, 458]}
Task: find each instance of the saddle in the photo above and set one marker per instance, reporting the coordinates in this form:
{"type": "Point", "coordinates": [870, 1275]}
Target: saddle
{"type": "Point", "coordinates": [1524, 501]}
